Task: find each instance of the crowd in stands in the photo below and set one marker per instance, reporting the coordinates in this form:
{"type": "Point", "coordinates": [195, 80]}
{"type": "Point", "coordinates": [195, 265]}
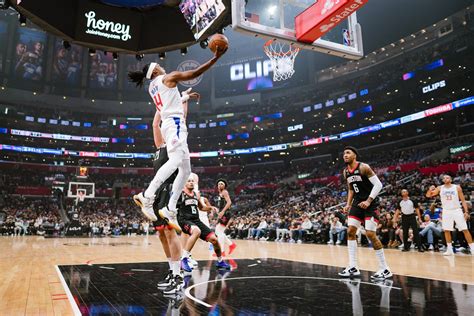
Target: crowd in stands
{"type": "Point", "coordinates": [26, 216]}
{"type": "Point", "coordinates": [285, 211]}
{"type": "Point", "coordinates": [304, 216]}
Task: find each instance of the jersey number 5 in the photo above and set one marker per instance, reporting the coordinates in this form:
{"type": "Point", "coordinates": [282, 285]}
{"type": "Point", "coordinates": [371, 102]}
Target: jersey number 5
{"type": "Point", "coordinates": [158, 102]}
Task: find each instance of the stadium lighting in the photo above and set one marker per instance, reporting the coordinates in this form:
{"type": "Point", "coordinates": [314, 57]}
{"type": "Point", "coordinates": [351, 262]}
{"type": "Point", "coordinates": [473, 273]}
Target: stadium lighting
{"type": "Point", "coordinates": [272, 9]}
{"type": "Point", "coordinates": [204, 44]}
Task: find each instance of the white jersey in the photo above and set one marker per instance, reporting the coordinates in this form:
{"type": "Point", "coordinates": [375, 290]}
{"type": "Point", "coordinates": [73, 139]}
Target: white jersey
{"type": "Point", "coordinates": [450, 197]}
{"type": "Point", "coordinates": [167, 100]}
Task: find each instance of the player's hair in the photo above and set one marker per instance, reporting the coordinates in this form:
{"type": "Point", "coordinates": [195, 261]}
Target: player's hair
{"type": "Point", "coordinates": [222, 180]}
{"type": "Point", "coordinates": [353, 149]}
{"type": "Point", "coordinates": [138, 77]}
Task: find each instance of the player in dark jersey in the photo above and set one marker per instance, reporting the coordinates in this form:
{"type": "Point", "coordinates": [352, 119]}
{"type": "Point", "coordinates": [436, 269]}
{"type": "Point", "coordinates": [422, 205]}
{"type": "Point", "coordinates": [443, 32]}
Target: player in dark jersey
{"type": "Point", "coordinates": [168, 236]}
{"type": "Point", "coordinates": [363, 188]}
{"type": "Point", "coordinates": [169, 239]}
{"type": "Point", "coordinates": [188, 218]}
{"type": "Point", "coordinates": [224, 216]}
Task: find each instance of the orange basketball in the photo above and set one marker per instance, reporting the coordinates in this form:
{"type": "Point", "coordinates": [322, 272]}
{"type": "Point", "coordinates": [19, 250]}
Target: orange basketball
{"type": "Point", "coordinates": [218, 40]}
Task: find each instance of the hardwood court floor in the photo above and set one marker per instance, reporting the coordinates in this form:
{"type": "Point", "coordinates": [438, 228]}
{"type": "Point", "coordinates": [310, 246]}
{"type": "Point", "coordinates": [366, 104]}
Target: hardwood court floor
{"type": "Point", "coordinates": [30, 284]}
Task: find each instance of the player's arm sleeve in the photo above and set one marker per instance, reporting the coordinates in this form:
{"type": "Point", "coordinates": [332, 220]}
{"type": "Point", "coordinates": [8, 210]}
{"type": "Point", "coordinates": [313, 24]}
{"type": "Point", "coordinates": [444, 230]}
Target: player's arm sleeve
{"type": "Point", "coordinates": [377, 186]}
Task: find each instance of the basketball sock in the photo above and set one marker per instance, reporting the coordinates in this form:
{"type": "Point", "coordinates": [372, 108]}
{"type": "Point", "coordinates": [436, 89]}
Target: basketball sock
{"type": "Point", "coordinates": [449, 247]}
{"type": "Point", "coordinates": [352, 248]}
{"type": "Point", "coordinates": [381, 258]}
{"type": "Point", "coordinates": [186, 254]}
{"type": "Point", "coordinates": [219, 259]}
{"type": "Point", "coordinates": [169, 263]}
{"type": "Point", "coordinates": [184, 171]}
{"type": "Point", "coordinates": [472, 247]}
{"type": "Point", "coordinates": [175, 267]}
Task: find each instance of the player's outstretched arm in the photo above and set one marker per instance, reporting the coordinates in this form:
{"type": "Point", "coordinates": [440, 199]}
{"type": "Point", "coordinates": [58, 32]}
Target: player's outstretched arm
{"type": "Point", "coordinates": [185, 97]}
{"type": "Point", "coordinates": [432, 192]}
{"type": "Point", "coordinates": [172, 79]}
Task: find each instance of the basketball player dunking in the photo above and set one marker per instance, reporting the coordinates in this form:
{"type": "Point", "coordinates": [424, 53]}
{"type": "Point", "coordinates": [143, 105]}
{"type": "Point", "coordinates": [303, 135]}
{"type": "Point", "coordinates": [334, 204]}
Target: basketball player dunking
{"type": "Point", "coordinates": [188, 218]}
{"type": "Point", "coordinates": [170, 111]}
{"type": "Point", "coordinates": [451, 199]}
{"type": "Point", "coordinates": [224, 216]}
{"type": "Point", "coordinates": [363, 188]}
{"type": "Point", "coordinates": [173, 282]}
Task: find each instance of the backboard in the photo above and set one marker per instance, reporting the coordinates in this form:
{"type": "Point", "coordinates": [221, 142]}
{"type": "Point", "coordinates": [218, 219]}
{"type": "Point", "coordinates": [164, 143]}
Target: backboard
{"type": "Point", "coordinates": [81, 190]}
{"type": "Point", "coordinates": [275, 19]}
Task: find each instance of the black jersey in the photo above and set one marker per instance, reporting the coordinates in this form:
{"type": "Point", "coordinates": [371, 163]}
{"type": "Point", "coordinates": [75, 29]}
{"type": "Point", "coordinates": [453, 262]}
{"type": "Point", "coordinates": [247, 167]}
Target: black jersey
{"type": "Point", "coordinates": [188, 207]}
{"type": "Point", "coordinates": [359, 183]}
{"type": "Point", "coordinates": [221, 202]}
{"type": "Point", "coordinates": [159, 161]}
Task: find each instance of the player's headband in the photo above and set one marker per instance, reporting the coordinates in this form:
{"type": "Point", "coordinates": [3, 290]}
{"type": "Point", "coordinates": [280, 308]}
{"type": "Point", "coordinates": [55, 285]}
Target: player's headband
{"type": "Point", "coordinates": [353, 150]}
{"type": "Point", "coordinates": [223, 181]}
{"type": "Point", "coordinates": [150, 70]}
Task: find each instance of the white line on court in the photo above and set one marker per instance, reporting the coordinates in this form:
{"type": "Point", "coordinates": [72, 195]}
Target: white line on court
{"type": "Point", "coordinates": [75, 308]}
{"type": "Point", "coordinates": [187, 292]}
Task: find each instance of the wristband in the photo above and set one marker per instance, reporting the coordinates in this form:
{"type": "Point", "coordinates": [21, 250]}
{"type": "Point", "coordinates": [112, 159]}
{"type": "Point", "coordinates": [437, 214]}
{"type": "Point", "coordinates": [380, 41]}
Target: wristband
{"type": "Point", "coordinates": [184, 98]}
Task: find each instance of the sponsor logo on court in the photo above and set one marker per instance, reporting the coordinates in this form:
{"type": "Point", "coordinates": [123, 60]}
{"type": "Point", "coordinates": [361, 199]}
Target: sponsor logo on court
{"type": "Point", "coordinates": [186, 66]}
{"type": "Point", "coordinates": [107, 29]}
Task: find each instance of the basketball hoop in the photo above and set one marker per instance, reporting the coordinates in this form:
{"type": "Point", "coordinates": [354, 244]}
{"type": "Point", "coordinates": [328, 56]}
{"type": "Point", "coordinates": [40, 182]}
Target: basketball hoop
{"type": "Point", "coordinates": [282, 57]}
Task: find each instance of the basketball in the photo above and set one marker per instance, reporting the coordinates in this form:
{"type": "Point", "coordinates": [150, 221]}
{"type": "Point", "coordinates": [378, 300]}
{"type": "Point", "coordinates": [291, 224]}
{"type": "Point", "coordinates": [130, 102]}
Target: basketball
{"type": "Point", "coordinates": [218, 41]}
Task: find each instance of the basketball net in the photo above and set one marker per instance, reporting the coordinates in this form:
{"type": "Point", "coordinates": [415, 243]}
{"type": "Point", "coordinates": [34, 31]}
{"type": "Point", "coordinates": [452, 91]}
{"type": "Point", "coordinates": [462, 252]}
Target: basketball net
{"type": "Point", "coordinates": [80, 196]}
{"type": "Point", "coordinates": [282, 57]}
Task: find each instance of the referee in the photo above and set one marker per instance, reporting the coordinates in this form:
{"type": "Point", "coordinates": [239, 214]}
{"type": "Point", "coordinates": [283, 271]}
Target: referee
{"type": "Point", "coordinates": [408, 207]}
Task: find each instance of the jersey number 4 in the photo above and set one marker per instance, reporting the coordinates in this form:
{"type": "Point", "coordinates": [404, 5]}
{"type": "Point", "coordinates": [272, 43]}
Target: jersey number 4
{"type": "Point", "coordinates": [158, 102]}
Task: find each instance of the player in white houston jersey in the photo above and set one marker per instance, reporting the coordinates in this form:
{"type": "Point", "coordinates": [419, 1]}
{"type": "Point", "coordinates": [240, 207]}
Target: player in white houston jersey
{"type": "Point", "coordinates": [170, 111]}
{"type": "Point", "coordinates": [451, 199]}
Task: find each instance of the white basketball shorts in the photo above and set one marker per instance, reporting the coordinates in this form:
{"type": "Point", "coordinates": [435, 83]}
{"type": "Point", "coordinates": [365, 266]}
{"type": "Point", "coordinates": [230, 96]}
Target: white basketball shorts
{"type": "Point", "coordinates": [175, 134]}
{"type": "Point", "coordinates": [450, 217]}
